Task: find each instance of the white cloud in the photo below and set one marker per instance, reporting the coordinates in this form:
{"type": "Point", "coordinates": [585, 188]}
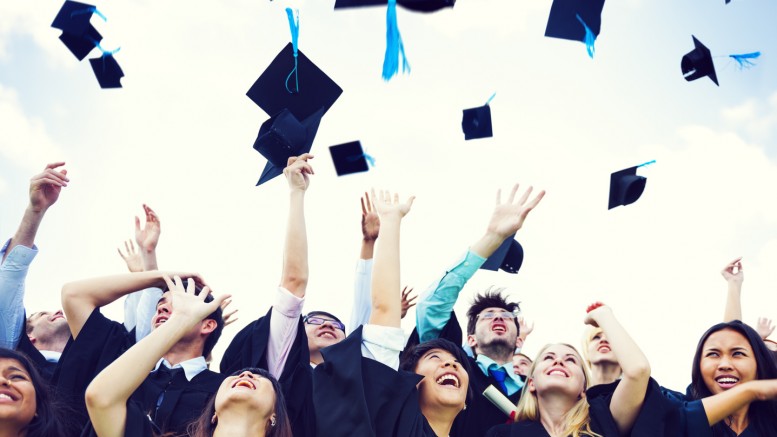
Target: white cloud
{"type": "Point", "coordinates": [19, 19]}
{"type": "Point", "coordinates": [756, 117]}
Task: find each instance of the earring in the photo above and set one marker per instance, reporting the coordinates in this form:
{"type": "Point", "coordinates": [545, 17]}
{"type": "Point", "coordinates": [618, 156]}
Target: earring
{"type": "Point", "coordinates": [272, 420]}
{"type": "Point", "coordinates": [213, 420]}
{"type": "Point", "coordinates": [465, 407]}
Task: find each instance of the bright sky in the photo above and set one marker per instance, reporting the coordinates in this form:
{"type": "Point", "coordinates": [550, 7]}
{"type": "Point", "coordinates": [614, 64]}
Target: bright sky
{"type": "Point", "coordinates": [179, 137]}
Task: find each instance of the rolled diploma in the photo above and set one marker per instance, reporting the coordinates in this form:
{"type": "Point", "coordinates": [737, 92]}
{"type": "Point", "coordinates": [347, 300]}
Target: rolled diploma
{"type": "Point", "coordinates": [500, 401]}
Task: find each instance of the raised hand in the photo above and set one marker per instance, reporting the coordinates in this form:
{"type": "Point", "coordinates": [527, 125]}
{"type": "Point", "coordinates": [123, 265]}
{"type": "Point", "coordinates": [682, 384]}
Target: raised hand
{"type": "Point", "coordinates": [297, 171]}
{"type": "Point", "coordinates": [764, 327]}
{"type": "Point", "coordinates": [407, 301]}
{"type": "Point", "coordinates": [524, 327]}
{"type": "Point", "coordinates": [132, 258]}
{"type": "Point", "coordinates": [148, 236]}
{"type": "Point", "coordinates": [387, 205]}
{"type": "Point", "coordinates": [186, 304]}
{"type": "Point", "coordinates": [46, 186]}
{"type": "Point", "coordinates": [370, 220]}
{"type": "Point", "coordinates": [229, 318]}
{"type": "Point", "coordinates": [508, 217]}
{"type": "Point", "coordinates": [594, 312]}
{"type": "Point", "coordinates": [733, 271]}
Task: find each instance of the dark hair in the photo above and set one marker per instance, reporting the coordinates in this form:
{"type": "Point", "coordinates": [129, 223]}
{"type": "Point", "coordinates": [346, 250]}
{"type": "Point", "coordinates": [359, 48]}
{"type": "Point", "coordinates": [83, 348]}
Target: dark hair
{"type": "Point", "coordinates": [203, 427]}
{"type": "Point", "coordinates": [50, 415]}
{"type": "Point", "coordinates": [490, 299]}
{"type": "Point", "coordinates": [324, 313]}
{"type": "Point", "coordinates": [761, 414]}
{"type": "Point", "coordinates": [217, 316]}
{"type": "Point", "coordinates": [410, 358]}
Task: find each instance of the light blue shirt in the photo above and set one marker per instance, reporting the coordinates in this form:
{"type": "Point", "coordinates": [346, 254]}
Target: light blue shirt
{"type": "Point", "coordinates": [435, 306]}
{"type": "Point", "coordinates": [13, 273]}
{"type": "Point", "coordinates": [191, 368]}
{"type": "Point", "coordinates": [362, 295]}
{"type": "Point", "coordinates": [513, 383]}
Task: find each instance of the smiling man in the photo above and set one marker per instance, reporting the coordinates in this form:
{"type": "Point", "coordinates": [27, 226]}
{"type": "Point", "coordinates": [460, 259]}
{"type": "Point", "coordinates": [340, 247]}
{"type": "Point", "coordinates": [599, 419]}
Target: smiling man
{"type": "Point", "coordinates": [492, 327]}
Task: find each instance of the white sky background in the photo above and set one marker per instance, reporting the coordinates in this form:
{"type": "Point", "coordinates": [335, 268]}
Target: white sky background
{"type": "Point", "coordinates": [179, 137]}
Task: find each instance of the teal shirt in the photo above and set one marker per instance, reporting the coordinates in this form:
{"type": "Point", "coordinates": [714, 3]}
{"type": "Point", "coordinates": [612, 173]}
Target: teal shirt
{"type": "Point", "coordinates": [513, 382]}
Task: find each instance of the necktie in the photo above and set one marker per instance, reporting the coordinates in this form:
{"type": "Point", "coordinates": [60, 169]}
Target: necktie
{"type": "Point", "coordinates": [164, 377]}
{"type": "Point", "coordinates": [499, 375]}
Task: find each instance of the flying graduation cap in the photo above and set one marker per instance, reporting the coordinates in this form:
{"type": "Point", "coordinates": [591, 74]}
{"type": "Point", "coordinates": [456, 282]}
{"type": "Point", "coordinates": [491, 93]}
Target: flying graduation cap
{"type": "Point", "coordinates": [626, 186]}
{"type": "Point", "coordinates": [508, 257]}
{"type": "Point", "coordinates": [576, 20]}
{"type": "Point", "coordinates": [296, 94]}
{"type": "Point", "coordinates": [413, 5]}
{"type": "Point", "coordinates": [698, 62]}
{"type": "Point", "coordinates": [78, 34]}
{"type": "Point", "coordinates": [350, 158]}
{"type": "Point", "coordinates": [107, 70]}
{"type": "Point", "coordinates": [476, 122]}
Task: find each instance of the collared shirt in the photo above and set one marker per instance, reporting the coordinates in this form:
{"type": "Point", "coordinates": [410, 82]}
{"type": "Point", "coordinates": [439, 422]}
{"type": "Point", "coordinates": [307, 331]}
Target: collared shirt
{"type": "Point", "coordinates": [362, 295]}
{"type": "Point", "coordinates": [191, 367]}
{"type": "Point", "coordinates": [284, 323]}
{"type": "Point", "coordinates": [139, 311]}
{"type": "Point", "coordinates": [13, 273]}
{"type": "Point", "coordinates": [51, 356]}
{"type": "Point", "coordinates": [435, 306]}
{"type": "Point", "coordinates": [383, 344]}
{"type": "Point", "coordinates": [513, 383]}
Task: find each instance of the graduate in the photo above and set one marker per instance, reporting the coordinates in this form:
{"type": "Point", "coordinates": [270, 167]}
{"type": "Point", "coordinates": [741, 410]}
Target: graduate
{"type": "Point", "coordinates": [247, 403]}
{"type": "Point", "coordinates": [360, 383]}
{"type": "Point", "coordinates": [176, 388]}
{"type": "Point", "coordinates": [557, 401]}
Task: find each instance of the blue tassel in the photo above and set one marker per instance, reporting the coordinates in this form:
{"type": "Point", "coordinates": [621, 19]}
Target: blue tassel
{"type": "Point", "coordinates": [647, 163]}
{"type": "Point", "coordinates": [105, 52]}
{"type": "Point", "coordinates": [589, 37]}
{"type": "Point", "coordinates": [294, 26]}
{"type": "Point", "coordinates": [394, 46]}
{"type": "Point", "coordinates": [370, 160]}
{"type": "Point", "coordinates": [744, 59]}
{"type": "Point", "coordinates": [490, 98]}
{"type": "Point", "coordinates": [89, 10]}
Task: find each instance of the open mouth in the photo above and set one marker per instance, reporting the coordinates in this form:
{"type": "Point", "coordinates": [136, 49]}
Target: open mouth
{"type": "Point", "coordinates": [558, 372]}
{"type": "Point", "coordinates": [500, 329]}
{"type": "Point", "coordinates": [726, 381]}
{"type": "Point", "coordinates": [160, 320]}
{"type": "Point", "coordinates": [328, 334]}
{"type": "Point", "coordinates": [6, 396]}
{"type": "Point", "coordinates": [449, 379]}
{"type": "Point", "coordinates": [604, 349]}
{"type": "Point", "coordinates": [244, 383]}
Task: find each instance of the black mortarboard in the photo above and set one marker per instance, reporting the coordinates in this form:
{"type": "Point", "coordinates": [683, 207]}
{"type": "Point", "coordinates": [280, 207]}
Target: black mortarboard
{"type": "Point", "coordinates": [81, 45]}
{"type": "Point", "coordinates": [284, 136]}
{"type": "Point", "coordinates": [625, 187]}
{"type": "Point", "coordinates": [476, 122]}
{"type": "Point", "coordinates": [698, 63]}
{"type": "Point", "coordinates": [563, 20]}
{"type": "Point", "coordinates": [107, 70]}
{"type": "Point", "coordinates": [508, 257]}
{"type": "Point", "coordinates": [349, 158]}
{"type": "Point", "coordinates": [413, 5]}
{"type": "Point", "coordinates": [316, 90]}
{"type": "Point", "coordinates": [73, 17]}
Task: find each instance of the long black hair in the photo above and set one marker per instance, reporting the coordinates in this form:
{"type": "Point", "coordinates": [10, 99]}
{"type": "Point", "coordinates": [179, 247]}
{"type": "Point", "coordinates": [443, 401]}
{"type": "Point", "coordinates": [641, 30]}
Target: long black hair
{"type": "Point", "coordinates": [50, 414]}
{"type": "Point", "coordinates": [410, 358]}
{"type": "Point", "coordinates": [204, 427]}
{"type": "Point", "coordinates": [761, 414]}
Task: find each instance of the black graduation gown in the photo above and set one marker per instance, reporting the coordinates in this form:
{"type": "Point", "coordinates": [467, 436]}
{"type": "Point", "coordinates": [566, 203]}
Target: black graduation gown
{"type": "Point", "coordinates": [480, 414]}
{"type": "Point", "coordinates": [44, 367]}
{"type": "Point", "coordinates": [99, 343]}
{"type": "Point", "coordinates": [602, 423]}
{"type": "Point", "coordinates": [137, 424]}
{"type": "Point", "coordinates": [249, 349]}
{"type": "Point", "coordinates": [362, 397]}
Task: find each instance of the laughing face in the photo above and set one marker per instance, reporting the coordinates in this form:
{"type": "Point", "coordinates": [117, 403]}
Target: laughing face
{"type": "Point", "coordinates": [250, 390]}
{"type": "Point", "coordinates": [598, 348]}
{"type": "Point", "coordinates": [494, 332]}
{"type": "Point", "coordinates": [47, 325]}
{"type": "Point", "coordinates": [445, 382]}
{"type": "Point", "coordinates": [558, 368]}
{"type": "Point", "coordinates": [17, 394]}
{"type": "Point", "coordinates": [727, 359]}
{"type": "Point", "coordinates": [323, 335]}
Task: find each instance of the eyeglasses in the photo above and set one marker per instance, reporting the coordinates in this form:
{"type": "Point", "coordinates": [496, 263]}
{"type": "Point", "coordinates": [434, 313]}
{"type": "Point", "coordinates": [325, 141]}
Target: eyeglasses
{"type": "Point", "coordinates": [320, 321]}
{"type": "Point", "coordinates": [494, 314]}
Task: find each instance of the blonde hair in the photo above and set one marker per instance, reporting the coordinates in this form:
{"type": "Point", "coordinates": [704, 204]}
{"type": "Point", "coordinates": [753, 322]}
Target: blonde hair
{"type": "Point", "coordinates": [588, 335]}
{"type": "Point", "coordinates": [578, 421]}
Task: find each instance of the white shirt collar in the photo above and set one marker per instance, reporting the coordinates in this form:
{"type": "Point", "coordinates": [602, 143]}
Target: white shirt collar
{"type": "Point", "coordinates": [51, 356]}
{"type": "Point", "coordinates": [191, 368]}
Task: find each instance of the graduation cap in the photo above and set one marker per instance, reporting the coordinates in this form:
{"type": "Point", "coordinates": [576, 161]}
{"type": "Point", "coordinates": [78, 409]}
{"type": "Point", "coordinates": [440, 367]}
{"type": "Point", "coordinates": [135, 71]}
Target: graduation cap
{"type": "Point", "coordinates": [508, 257]}
{"type": "Point", "coordinates": [626, 186]}
{"type": "Point", "coordinates": [284, 136]}
{"type": "Point", "coordinates": [698, 63]}
{"type": "Point", "coordinates": [275, 91]}
{"type": "Point", "coordinates": [78, 35]}
{"type": "Point", "coordinates": [107, 70]}
{"type": "Point", "coordinates": [350, 158]}
{"type": "Point", "coordinates": [413, 5]}
{"type": "Point", "coordinates": [476, 122]}
{"type": "Point", "coordinates": [576, 20]}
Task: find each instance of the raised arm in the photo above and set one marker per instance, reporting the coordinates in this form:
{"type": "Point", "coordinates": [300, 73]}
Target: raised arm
{"type": "Point", "coordinates": [435, 306]}
{"type": "Point", "coordinates": [80, 298]}
{"type": "Point", "coordinates": [147, 238]}
{"type": "Point", "coordinates": [386, 307]}
{"type": "Point", "coordinates": [295, 254]}
{"type": "Point", "coordinates": [723, 405]}
{"type": "Point", "coordinates": [629, 396]}
{"type": "Point", "coordinates": [16, 256]}
{"type": "Point", "coordinates": [362, 300]}
{"type": "Point", "coordinates": [107, 394]}
{"type": "Point", "coordinates": [734, 276]}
